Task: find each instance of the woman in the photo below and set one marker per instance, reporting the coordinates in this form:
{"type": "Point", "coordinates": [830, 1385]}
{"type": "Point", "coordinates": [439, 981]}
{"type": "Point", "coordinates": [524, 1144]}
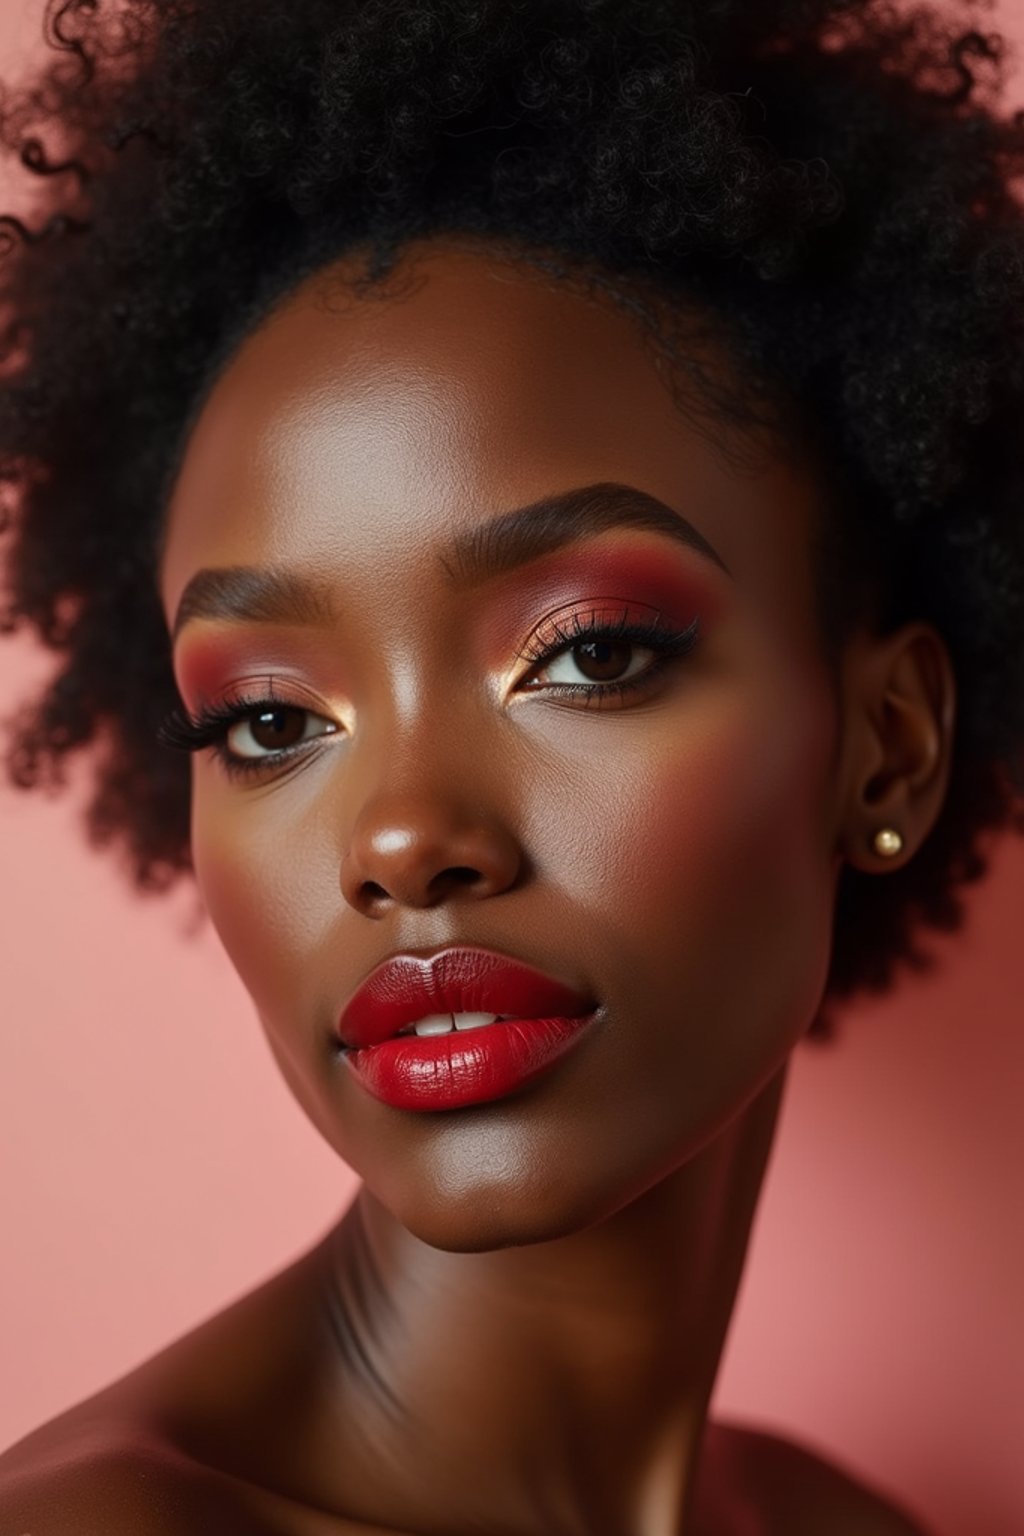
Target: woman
{"type": "Point", "coordinates": [554, 471]}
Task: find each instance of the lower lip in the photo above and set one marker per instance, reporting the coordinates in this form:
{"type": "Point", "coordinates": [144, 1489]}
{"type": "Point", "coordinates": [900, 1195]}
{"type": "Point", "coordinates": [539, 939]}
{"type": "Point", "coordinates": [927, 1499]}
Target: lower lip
{"type": "Point", "coordinates": [465, 1066]}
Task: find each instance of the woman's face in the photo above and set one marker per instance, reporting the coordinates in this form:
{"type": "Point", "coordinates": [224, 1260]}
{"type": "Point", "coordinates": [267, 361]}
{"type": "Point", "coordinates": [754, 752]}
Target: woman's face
{"type": "Point", "coordinates": [669, 849]}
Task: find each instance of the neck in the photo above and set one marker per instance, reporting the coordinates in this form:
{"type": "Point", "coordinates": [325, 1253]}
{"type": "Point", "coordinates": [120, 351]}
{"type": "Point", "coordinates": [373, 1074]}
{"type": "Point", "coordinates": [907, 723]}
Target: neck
{"type": "Point", "coordinates": [562, 1386]}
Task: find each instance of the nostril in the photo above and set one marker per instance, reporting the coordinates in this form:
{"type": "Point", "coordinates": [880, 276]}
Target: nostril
{"type": "Point", "coordinates": [463, 874]}
{"type": "Point", "coordinates": [446, 882]}
{"type": "Point", "coordinates": [456, 876]}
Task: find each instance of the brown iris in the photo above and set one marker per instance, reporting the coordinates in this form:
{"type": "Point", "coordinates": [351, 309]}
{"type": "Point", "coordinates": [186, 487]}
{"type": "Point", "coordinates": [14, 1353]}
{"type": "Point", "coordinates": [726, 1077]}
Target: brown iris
{"type": "Point", "coordinates": [602, 655]}
{"type": "Point", "coordinates": [274, 729]}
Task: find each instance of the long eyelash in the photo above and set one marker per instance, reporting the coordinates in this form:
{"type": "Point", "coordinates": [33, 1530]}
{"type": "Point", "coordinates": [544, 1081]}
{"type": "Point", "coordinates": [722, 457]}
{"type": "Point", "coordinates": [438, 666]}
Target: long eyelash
{"type": "Point", "coordinates": [191, 733]}
{"type": "Point", "coordinates": [668, 643]}
{"type": "Point", "coordinates": [209, 726]}
{"type": "Point", "coordinates": [652, 633]}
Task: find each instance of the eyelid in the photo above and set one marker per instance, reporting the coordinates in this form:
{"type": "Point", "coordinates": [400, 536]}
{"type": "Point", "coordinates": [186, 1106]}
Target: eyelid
{"type": "Point", "coordinates": [614, 609]}
{"type": "Point", "coordinates": [561, 628]}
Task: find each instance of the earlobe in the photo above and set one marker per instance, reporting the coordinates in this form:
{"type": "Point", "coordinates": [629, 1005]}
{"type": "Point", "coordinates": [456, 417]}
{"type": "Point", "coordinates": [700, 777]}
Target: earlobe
{"type": "Point", "coordinates": [901, 692]}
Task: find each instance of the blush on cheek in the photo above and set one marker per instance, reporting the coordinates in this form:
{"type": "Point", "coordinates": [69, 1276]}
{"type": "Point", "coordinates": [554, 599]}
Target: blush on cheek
{"type": "Point", "coordinates": [730, 845]}
{"type": "Point", "coordinates": [243, 902]}
{"type": "Point", "coordinates": [269, 880]}
{"type": "Point", "coordinates": [256, 907]}
{"type": "Point", "coordinates": [223, 883]}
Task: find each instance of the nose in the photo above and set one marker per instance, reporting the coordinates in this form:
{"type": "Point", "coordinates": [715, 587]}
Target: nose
{"type": "Point", "coordinates": [424, 846]}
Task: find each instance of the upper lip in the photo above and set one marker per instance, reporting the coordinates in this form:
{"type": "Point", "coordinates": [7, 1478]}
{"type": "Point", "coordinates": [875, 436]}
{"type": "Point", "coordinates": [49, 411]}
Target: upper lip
{"type": "Point", "coordinates": [456, 979]}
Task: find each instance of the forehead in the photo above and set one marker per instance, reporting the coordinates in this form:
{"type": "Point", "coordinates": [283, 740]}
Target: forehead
{"type": "Point", "coordinates": [356, 433]}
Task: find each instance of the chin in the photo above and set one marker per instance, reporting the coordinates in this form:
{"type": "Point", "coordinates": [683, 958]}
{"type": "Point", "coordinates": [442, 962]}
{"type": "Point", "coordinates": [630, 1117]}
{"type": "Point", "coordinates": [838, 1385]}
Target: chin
{"type": "Point", "coordinates": [483, 1230]}
{"type": "Point", "coordinates": [466, 1211]}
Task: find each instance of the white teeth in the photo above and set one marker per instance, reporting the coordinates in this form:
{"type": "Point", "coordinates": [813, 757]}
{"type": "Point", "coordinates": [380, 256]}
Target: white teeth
{"type": "Point", "coordinates": [434, 1024]}
{"type": "Point", "coordinates": [473, 1020]}
{"type": "Point", "coordinates": [444, 1023]}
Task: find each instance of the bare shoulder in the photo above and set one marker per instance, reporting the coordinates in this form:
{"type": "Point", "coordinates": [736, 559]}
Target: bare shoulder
{"type": "Point", "coordinates": [113, 1463]}
{"type": "Point", "coordinates": [795, 1491]}
{"type": "Point", "coordinates": [101, 1483]}
{"type": "Point", "coordinates": [88, 1473]}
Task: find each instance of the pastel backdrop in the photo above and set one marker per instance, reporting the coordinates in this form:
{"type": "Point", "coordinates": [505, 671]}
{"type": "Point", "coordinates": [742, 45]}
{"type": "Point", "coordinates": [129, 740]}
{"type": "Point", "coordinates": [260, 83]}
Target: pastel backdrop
{"type": "Point", "coordinates": [153, 1167]}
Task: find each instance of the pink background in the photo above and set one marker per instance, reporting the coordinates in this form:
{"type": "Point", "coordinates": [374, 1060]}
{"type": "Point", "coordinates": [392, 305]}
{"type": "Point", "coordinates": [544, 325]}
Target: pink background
{"type": "Point", "coordinates": [155, 1167]}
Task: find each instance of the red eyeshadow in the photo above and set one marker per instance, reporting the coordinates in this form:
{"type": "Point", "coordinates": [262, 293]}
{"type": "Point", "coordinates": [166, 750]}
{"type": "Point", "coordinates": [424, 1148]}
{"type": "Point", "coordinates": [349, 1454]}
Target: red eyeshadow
{"type": "Point", "coordinates": [207, 664]}
{"type": "Point", "coordinates": [642, 570]}
{"type": "Point", "coordinates": [659, 578]}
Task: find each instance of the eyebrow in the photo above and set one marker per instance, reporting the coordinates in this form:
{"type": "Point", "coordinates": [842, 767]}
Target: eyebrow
{"type": "Point", "coordinates": [268, 594]}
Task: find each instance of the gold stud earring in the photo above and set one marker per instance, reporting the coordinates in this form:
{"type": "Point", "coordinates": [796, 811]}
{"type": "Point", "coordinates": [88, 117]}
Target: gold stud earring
{"type": "Point", "coordinates": [887, 842]}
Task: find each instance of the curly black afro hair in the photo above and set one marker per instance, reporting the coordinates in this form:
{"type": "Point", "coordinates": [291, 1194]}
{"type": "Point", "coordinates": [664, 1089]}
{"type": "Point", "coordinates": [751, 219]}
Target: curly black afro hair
{"type": "Point", "coordinates": [836, 180]}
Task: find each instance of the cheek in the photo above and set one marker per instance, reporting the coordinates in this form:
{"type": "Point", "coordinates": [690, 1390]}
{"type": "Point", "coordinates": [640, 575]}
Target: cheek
{"type": "Point", "coordinates": [735, 824]}
{"type": "Point", "coordinates": [269, 882]}
{"type": "Point", "coordinates": [713, 861]}
{"type": "Point", "coordinates": [758, 849]}
{"type": "Point", "coordinates": [270, 885]}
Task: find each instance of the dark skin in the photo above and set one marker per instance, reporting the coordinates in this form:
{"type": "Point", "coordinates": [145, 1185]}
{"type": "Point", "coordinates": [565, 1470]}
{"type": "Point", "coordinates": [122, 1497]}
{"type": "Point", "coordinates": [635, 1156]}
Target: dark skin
{"type": "Point", "coordinates": [517, 1324]}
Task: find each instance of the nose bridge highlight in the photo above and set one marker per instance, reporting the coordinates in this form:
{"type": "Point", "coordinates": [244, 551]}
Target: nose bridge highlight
{"type": "Point", "coordinates": [425, 825]}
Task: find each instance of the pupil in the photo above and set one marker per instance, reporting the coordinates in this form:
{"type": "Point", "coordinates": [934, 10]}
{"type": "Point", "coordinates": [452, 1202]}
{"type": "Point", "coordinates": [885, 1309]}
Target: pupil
{"type": "Point", "coordinates": [608, 656]}
{"type": "Point", "coordinates": [283, 727]}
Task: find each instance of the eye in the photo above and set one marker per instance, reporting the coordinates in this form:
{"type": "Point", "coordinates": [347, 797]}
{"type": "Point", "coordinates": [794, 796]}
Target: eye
{"type": "Point", "coordinates": [600, 661]}
{"type": "Point", "coordinates": [276, 728]}
{"type": "Point", "coordinates": [247, 734]}
{"type": "Point", "coordinates": [596, 658]}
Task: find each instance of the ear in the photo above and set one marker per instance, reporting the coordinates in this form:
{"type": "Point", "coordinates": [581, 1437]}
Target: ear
{"type": "Point", "coordinates": [899, 703]}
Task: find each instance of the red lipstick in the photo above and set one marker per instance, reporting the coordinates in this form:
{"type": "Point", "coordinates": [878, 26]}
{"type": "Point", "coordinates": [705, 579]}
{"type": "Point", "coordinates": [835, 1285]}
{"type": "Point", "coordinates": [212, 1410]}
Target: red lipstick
{"type": "Point", "coordinates": [540, 1020]}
